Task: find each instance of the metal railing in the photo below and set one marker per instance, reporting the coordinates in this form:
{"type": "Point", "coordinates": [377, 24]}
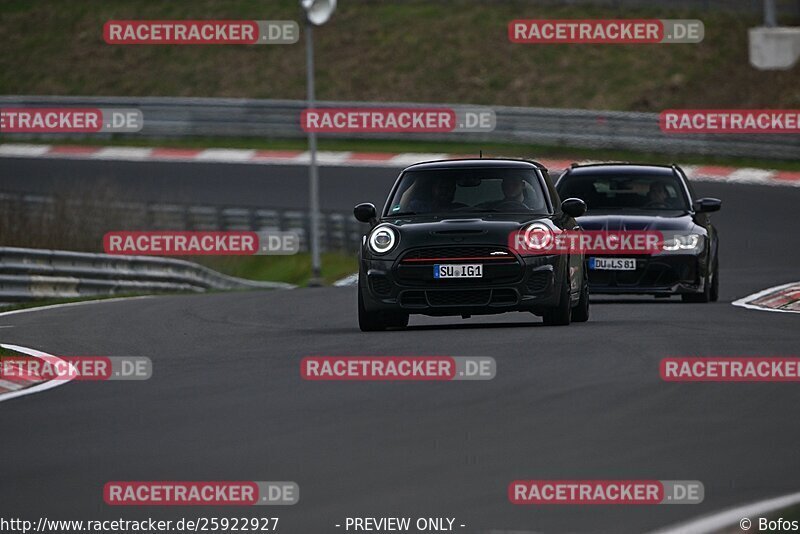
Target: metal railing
{"type": "Point", "coordinates": [171, 117]}
{"type": "Point", "coordinates": [338, 231]}
{"type": "Point", "coordinates": [31, 274]}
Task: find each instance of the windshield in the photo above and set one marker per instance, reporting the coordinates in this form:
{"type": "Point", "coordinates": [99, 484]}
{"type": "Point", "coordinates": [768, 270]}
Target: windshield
{"type": "Point", "coordinates": [443, 191]}
{"type": "Point", "coordinates": [654, 192]}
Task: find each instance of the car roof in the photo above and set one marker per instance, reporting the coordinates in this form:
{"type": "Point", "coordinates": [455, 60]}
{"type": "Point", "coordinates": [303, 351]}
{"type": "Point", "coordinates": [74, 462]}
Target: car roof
{"type": "Point", "coordinates": [618, 168]}
{"type": "Point", "coordinates": [476, 163]}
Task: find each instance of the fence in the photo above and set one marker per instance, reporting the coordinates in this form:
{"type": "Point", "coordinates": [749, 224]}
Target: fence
{"type": "Point", "coordinates": [338, 231]}
{"type": "Point", "coordinates": [169, 117]}
{"type": "Point", "coordinates": [30, 274]}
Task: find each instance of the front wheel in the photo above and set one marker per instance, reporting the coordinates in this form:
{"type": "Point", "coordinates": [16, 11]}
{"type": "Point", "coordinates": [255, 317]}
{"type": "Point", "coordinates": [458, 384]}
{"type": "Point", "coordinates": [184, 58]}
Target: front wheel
{"type": "Point", "coordinates": [580, 313]}
{"type": "Point", "coordinates": [377, 321]}
{"type": "Point", "coordinates": [703, 297]}
{"type": "Point", "coordinates": [560, 315]}
{"type": "Point", "coordinates": [715, 283]}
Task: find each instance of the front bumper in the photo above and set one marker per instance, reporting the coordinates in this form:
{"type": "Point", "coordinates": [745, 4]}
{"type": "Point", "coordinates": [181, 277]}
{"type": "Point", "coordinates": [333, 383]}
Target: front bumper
{"type": "Point", "coordinates": [661, 274]}
{"type": "Point", "coordinates": [527, 285]}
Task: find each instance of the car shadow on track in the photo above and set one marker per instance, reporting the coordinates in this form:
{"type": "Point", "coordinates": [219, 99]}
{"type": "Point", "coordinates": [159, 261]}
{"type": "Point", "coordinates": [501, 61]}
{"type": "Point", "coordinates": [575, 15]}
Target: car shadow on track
{"type": "Point", "coordinates": [642, 300]}
{"type": "Point", "coordinates": [454, 326]}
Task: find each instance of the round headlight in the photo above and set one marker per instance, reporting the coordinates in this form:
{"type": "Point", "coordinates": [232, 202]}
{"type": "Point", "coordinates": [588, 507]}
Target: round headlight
{"type": "Point", "coordinates": [538, 236]}
{"type": "Point", "coordinates": [382, 239]}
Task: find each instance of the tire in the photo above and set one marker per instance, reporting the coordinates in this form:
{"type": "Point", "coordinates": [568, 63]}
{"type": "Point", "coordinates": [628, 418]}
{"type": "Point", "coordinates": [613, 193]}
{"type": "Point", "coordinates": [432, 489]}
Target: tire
{"type": "Point", "coordinates": [715, 283]}
{"type": "Point", "coordinates": [377, 321]}
{"type": "Point", "coordinates": [580, 313]}
{"type": "Point", "coordinates": [560, 315]}
{"type": "Point", "coordinates": [703, 297]}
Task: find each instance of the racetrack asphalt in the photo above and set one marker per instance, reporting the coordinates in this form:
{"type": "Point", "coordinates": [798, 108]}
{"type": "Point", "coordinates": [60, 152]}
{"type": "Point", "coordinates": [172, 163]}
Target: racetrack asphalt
{"type": "Point", "coordinates": [226, 401]}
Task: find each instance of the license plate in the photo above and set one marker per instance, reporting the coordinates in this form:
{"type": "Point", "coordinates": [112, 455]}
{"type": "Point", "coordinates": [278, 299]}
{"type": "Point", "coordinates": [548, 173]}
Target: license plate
{"type": "Point", "coordinates": [612, 264]}
{"type": "Point", "coordinates": [459, 270]}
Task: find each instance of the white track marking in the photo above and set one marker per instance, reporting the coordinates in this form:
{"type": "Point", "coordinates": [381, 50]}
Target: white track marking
{"type": "Point", "coordinates": [403, 160]}
{"type": "Point", "coordinates": [39, 387]}
{"type": "Point", "coordinates": [225, 155]}
{"type": "Point", "coordinates": [25, 151]}
{"type": "Point", "coordinates": [123, 153]}
{"type": "Point", "coordinates": [730, 518]}
{"type": "Point", "coordinates": [745, 302]}
{"type": "Point", "coordinates": [70, 304]}
{"type": "Point", "coordinates": [333, 159]}
{"type": "Point", "coordinates": [347, 281]}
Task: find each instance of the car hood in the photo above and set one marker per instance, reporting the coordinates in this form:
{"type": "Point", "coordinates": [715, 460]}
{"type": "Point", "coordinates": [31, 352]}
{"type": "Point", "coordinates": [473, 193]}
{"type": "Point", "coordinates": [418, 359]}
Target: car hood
{"type": "Point", "coordinates": [676, 221]}
{"type": "Point", "coordinates": [492, 229]}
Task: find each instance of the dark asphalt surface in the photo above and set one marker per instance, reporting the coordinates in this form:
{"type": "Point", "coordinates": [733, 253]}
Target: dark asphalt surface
{"type": "Point", "coordinates": [213, 184]}
{"type": "Point", "coordinates": [226, 401]}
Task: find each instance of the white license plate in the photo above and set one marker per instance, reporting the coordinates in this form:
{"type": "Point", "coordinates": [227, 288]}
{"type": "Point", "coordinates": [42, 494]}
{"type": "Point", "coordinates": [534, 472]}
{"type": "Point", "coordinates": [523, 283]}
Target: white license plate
{"type": "Point", "coordinates": [612, 264]}
{"type": "Point", "coordinates": [458, 270]}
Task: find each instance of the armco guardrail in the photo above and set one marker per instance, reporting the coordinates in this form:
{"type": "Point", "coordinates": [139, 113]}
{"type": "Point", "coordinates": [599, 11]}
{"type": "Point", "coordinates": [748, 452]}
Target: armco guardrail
{"type": "Point", "coordinates": [215, 117]}
{"type": "Point", "coordinates": [30, 274]}
{"type": "Point", "coordinates": [338, 231]}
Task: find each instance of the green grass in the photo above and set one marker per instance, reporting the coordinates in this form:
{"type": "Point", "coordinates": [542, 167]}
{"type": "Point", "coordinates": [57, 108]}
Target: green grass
{"type": "Point", "coordinates": [294, 269]}
{"type": "Point", "coordinates": [468, 149]}
{"type": "Point", "coordinates": [6, 352]}
{"type": "Point", "coordinates": [414, 50]}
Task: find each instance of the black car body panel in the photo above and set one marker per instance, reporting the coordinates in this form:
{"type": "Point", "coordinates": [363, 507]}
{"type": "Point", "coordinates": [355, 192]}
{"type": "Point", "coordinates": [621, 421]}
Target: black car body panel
{"type": "Point", "coordinates": [666, 273]}
{"type": "Point", "coordinates": [402, 280]}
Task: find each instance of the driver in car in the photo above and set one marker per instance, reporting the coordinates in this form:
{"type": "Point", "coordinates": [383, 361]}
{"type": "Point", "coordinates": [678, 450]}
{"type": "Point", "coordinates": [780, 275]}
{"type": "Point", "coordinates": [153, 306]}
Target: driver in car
{"type": "Point", "coordinates": [657, 196]}
{"type": "Point", "coordinates": [440, 198]}
{"type": "Point", "coordinates": [513, 193]}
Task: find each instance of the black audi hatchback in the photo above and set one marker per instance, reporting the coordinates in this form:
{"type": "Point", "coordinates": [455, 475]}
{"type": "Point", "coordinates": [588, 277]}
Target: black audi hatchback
{"type": "Point", "coordinates": [651, 198]}
{"type": "Point", "coordinates": [444, 245]}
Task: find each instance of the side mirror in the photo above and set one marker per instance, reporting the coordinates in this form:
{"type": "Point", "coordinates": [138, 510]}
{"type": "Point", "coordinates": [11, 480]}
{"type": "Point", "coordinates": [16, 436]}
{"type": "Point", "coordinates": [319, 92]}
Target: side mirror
{"type": "Point", "coordinates": [574, 207]}
{"type": "Point", "coordinates": [707, 205]}
{"type": "Point", "coordinates": [365, 213]}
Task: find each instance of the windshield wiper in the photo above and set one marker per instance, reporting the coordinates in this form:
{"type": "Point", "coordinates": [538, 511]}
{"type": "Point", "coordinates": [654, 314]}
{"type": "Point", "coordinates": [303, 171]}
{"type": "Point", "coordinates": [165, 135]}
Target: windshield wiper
{"type": "Point", "coordinates": [402, 213]}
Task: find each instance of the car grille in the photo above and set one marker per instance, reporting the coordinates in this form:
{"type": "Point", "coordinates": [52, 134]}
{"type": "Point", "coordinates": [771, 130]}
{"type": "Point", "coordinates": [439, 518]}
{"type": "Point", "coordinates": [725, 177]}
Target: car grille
{"type": "Point", "coordinates": [457, 253]}
{"type": "Point", "coordinates": [649, 273]}
{"type": "Point", "coordinates": [380, 285]}
{"type": "Point", "coordinates": [537, 281]}
{"type": "Point", "coordinates": [413, 299]}
{"type": "Point", "coordinates": [416, 267]}
{"type": "Point", "coordinates": [459, 297]}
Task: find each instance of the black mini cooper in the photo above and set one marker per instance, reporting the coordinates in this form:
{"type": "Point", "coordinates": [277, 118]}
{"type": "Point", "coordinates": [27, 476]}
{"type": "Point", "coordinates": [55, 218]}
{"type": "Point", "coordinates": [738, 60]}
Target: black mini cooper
{"type": "Point", "coordinates": [445, 245]}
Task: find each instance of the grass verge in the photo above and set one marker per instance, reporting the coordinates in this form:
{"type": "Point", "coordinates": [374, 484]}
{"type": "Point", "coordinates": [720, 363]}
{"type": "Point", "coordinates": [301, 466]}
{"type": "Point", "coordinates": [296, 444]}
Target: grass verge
{"type": "Point", "coordinates": [456, 51]}
{"type": "Point", "coordinates": [294, 269]}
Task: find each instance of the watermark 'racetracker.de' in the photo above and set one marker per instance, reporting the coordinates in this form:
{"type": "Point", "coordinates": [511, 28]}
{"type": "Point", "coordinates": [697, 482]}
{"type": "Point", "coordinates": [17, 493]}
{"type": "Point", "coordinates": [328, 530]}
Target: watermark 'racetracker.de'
{"type": "Point", "coordinates": [200, 32]}
{"type": "Point", "coordinates": [86, 368]}
{"type": "Point", "coordinates": [589, 492]}
{"type": "Point", "coordinates": [398, 120]}
{"type": "Point", "coordinates": [196, 243]}
{"type": "Point", "coordinates": [403, 368]}
{"type": "Point", "coordinates": [730, 369]}
{"type": "Point", "coordinates": [605, 31]}
{"type": "Point", "coordinates": [730, 121]}
{"type": "Point", "coordinates": [70, 120]}
{"type": "Point", "coordinates": [186, 493]}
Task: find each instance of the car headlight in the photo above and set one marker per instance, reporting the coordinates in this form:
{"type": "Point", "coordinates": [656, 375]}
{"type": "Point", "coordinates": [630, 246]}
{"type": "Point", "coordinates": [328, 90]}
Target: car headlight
{"type": "Point", "coordinates": [537, 237]}
{"type": "Point", "coordinates": [382, 239]}
{"type": "Point", "coordinates": [682, 242]}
